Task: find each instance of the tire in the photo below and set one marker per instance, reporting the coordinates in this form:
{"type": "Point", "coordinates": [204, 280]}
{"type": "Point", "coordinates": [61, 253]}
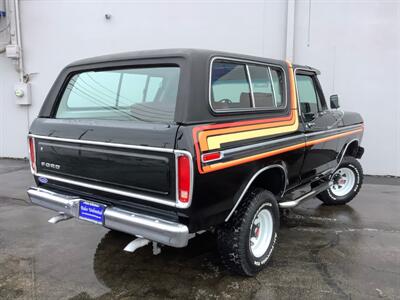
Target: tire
{"type": "Point", "coordinates": [342, 194]}
{"type": "Point", "coordinates": [247, 240]}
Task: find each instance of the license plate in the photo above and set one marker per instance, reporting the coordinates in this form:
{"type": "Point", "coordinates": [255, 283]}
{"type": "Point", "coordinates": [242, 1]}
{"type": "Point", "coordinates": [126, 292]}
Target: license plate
{"type": "Point", "coordinates": [92, 212]}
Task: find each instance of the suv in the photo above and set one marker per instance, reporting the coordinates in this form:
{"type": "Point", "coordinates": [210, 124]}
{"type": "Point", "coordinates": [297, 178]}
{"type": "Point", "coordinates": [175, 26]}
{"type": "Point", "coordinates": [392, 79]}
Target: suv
{"type": "Point", "coordinates": [167, 144]}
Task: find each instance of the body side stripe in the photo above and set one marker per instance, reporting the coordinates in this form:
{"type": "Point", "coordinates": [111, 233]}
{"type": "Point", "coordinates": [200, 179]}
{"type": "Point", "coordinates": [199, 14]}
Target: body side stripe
{"type": "Point", "coordinates": [223, 165]}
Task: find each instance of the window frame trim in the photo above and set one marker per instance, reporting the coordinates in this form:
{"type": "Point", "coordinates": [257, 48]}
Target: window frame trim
{"type": "Point", "coordinates": [246, 62]}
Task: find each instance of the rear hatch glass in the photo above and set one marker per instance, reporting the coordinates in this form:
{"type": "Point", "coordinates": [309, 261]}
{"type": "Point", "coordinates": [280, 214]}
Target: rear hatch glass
{"type": "Point", "coordinates": [146, 94]}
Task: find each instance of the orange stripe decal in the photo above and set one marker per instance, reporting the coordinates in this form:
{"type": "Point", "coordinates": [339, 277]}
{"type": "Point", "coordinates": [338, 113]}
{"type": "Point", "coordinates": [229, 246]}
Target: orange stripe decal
{"type": "Point", "coordinates": [211, 137]}
{"type": "Point", "coordinates": [223, 165]}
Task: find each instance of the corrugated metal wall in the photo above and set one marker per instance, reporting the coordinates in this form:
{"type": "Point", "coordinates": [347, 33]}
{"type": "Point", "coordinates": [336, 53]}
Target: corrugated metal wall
{"type": "Point", "coordinates": [355, 44]}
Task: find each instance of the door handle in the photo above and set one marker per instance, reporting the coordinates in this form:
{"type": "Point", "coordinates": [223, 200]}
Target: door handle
{"type": "Point", "coordinates": [310, 124]}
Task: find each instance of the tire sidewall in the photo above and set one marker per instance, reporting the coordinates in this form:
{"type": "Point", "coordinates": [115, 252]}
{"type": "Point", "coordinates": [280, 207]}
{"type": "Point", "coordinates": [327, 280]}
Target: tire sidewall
{"type": "Point", "coordinates": [356, 187]}
{"type": "Point", "coordinates": [264, 201]}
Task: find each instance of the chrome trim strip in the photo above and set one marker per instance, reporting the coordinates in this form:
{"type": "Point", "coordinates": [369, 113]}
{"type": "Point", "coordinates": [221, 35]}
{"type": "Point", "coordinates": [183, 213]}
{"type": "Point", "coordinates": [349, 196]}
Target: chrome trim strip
{"type": "Point", "coordinates": [108, 190]}
{"type": "Point", "coordinates": [251, 181]}
{"type": "Point", "coordinates": [248, 147]}
{"type": "Point", "coordinates": [96, 143]}
{"type": "Point", "coordinates": [178, 203]}
{"type": "Point", "coordinates": [245, 62]}
{"type": "Point", "coordinates": [348, 128]}
{"type": "Point", "coordinates": [343, 152]}
{"type": "Point", "coordinates": [155, 229]}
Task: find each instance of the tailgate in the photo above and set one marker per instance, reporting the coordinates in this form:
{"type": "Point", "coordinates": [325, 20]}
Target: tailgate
{"type": "Point", "coordinates": [130, 159]}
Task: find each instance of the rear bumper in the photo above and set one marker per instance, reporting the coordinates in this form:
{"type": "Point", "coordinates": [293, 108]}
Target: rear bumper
{"type": "Point", "coordinates": [154, 229]}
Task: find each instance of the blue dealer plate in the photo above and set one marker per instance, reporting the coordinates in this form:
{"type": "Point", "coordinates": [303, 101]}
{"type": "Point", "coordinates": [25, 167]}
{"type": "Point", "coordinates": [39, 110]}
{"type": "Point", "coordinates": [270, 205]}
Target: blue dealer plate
{"type": "Point", "coordinates": [92, 212]}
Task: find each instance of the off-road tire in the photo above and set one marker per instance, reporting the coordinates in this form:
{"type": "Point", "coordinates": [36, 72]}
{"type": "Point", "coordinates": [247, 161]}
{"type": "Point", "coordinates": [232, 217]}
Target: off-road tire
{"type": "Point", "coordinates": [353, 164]}
{"type": "Point", "coordinates": [233, 237]}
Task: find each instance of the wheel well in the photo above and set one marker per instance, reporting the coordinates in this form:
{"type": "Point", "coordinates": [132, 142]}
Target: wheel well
{"type": "Point", "coordinates": [274, 180]}
{"type": "Point", "coordinates": [352, 149]}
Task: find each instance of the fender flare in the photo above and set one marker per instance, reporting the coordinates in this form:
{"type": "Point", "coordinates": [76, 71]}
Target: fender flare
{"type": "Point", "coordinates": [343, 152]}
{"type": "Point", "coordinates": [282, 167]}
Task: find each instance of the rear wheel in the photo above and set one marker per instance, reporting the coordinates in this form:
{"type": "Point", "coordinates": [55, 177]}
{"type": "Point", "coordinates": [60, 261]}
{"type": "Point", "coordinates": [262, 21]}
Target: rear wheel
{"type": "Point", "coordinates": [247, 240]}
{"type": "Point", "coordinates": [346, 183]}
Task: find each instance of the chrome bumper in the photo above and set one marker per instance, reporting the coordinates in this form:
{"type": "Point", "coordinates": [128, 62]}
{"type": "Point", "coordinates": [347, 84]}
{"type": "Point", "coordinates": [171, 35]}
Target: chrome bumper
{"type": "Point", "coordinates": [154, 229]}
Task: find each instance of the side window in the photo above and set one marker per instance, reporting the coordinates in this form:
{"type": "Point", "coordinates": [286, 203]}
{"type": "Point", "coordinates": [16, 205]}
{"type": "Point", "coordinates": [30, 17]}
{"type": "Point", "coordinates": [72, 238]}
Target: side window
{"type": "Point", "coordinates": [278, 82]}
{"type": "Point", "coordinates": [262, 86]}
{"type": "Point", "coordinates": [238, 86]}
{"type": "Point", "coordinates": [308, 96]}
{"type": "Point", "coordinates": [267, 84]}
{"type": "Point", "coordinates": [230, 88]}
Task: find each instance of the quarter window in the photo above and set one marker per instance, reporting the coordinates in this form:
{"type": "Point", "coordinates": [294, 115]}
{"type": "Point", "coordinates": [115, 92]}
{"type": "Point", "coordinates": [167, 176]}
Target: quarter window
{"type": "Point", "coordinates": [241, 86]}
{"type": "Point", "coordinates": [230, 86]}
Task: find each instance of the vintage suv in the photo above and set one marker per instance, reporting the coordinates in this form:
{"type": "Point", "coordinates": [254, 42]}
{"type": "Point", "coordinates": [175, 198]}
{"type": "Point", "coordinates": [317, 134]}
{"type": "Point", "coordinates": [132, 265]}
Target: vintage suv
{"type": "Point", "coordinates": [167, 144]}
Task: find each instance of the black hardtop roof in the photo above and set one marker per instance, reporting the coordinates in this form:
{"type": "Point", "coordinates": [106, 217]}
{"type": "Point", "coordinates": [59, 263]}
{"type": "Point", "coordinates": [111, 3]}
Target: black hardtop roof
{"type": "Point", "coordinates": [170, 53]}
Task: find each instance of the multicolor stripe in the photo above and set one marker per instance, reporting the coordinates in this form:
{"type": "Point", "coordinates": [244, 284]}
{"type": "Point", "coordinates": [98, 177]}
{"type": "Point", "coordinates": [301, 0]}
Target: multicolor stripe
{"type": "Point", "coordinates": [211, 138]}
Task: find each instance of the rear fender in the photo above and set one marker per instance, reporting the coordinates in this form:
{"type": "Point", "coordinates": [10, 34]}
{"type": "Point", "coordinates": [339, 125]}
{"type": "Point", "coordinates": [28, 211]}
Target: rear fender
{"type": "Point", "coordinates": [242, 192]}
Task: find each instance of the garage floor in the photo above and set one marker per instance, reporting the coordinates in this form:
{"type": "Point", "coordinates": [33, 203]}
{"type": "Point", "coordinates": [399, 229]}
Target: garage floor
{"type": "Point", "coordinates": [351, 251]}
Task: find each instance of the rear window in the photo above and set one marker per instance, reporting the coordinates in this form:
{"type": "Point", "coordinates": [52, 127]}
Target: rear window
{"type": "Point", "coordinates": [141, 94]}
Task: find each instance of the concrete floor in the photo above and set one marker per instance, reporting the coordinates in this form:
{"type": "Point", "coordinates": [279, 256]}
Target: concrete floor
{"type": "Point", "coordinates": [352, 251]}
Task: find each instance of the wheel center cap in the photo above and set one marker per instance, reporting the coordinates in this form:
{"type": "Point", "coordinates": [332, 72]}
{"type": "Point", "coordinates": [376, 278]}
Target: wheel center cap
{"type": "Point", "coordinates": [257, 231]}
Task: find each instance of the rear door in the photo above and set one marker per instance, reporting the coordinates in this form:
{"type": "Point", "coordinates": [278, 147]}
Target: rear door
{"type": "Point", "coordinates": [321, 153]}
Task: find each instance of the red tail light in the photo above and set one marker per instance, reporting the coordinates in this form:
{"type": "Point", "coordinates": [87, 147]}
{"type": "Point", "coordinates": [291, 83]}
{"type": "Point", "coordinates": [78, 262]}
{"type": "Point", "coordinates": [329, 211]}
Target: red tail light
{"type": "Point", "coordinates": [32, 156]}
{"type": "Point", "coordinates": [184, 179]}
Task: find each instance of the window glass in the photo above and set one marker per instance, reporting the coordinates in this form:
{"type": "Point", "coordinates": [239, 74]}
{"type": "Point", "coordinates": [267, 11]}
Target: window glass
{"type": "Point", "coordinates": [154, 85]}
{"type": "Point", "coordinates": [86, 90]}
{"type": "Point", "coordinates": [131, 90]}
{"type": "Point", "coordinates": [267, 84]}
{"type": "Point", "coordinates": [279, 85]}
{"type": "Point", "coordinates": [230, 88]}
{"type": "Point", "coordinates": [141, 94]}
{"type": "Point", "coordinates": [307, 94]}
{"type": "Point", "coordinates": [262, 86]}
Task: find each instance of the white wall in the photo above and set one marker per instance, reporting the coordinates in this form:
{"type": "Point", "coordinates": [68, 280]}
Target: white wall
{"type": "Point", "coordinates": [354, 45]}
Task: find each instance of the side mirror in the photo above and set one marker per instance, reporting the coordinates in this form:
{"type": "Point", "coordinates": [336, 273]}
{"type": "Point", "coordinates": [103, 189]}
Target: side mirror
{"type": "Point", "coordinates": [334, 101]}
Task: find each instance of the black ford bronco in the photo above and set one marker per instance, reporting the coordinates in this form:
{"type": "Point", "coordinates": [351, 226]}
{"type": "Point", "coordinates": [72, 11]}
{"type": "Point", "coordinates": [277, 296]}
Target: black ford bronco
{"type": "Point", "coordinates": [167, 144]}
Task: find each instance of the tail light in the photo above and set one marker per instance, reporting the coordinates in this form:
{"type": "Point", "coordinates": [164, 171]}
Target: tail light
{"type": "Point", "coordinates": [32, 154]}
{"type": "Point", "coordinates": [184, 180]}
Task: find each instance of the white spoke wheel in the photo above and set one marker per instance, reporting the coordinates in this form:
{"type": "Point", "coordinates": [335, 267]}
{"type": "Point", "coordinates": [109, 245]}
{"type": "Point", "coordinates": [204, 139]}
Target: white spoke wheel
{"type": "Point", "coordinates": [346, 183]}
{"type": "Point", "coordinates": [261, 232]}
{"type": "Point", "coordinates": [344, 180]}
{"type": "Point", "coordinates": [246, 242]}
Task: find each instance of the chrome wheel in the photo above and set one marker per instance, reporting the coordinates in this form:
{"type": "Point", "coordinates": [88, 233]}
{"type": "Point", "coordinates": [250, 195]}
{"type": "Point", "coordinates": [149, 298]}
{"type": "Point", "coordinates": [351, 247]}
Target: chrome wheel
{"type": "Point", "coordinates": [261, 232]}
{"type": "Point", "coordinates": [343, 182]}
